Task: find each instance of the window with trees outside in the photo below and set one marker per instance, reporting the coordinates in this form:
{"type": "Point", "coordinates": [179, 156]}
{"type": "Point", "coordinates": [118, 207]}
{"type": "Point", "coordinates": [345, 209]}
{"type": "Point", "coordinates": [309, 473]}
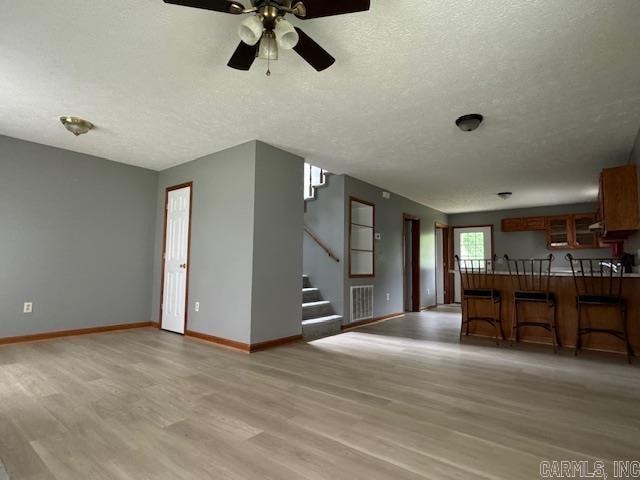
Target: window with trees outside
{"type": "Point", "coordinates": [472, 246]}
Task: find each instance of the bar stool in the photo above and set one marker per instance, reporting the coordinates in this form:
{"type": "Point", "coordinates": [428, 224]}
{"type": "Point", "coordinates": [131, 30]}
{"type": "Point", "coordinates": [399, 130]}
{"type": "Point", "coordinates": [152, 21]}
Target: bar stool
{"type": "Point", "coordinates": [477, 279]}
{"type": "Point", "coordinates": [598, 283]}
{"type": "Point", "coordinates": [531, 280]}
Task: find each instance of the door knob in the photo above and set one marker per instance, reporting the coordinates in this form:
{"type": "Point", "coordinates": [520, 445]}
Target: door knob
{"type": "Point", "coordinates": [183, 265]}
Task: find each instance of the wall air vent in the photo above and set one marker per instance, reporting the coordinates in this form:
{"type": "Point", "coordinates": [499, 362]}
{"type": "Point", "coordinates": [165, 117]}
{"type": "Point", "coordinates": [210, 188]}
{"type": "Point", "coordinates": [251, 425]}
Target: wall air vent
{"type": "Point", "coordinates": [361, 303]}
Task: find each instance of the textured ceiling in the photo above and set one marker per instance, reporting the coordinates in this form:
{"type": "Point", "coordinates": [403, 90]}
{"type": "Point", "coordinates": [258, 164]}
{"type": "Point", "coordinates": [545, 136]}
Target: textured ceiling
{"type": "Point", "coordinates": [558, 82]}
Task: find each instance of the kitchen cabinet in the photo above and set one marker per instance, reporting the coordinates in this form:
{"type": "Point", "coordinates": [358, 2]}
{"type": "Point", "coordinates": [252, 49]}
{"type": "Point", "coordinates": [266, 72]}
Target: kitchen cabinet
{"type": "Point", "coordinates": [582, 235]}
{"type": "Point", "coordinates": [524, 224]}
{"type": "Point", "coordinates": [619, 215]}
{"type": "Point", "coordinates": [559, 232]}
{"type": "Point", "coordinates": [569, 232]}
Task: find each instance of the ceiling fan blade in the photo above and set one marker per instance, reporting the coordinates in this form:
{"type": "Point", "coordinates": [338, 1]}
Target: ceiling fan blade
{"type": "Point", "coordinates": [314, 54]}
{"type": "Point", "coordinates": [328, 8]}
{"type": "Point", "coordinates": [225, 6]}
{"type": "Point", "coordinates": [244, 56]}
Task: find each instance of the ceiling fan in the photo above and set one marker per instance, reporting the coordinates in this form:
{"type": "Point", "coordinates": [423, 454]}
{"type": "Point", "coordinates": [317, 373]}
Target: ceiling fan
{"type": "Point", "coordinates": [266, 29]}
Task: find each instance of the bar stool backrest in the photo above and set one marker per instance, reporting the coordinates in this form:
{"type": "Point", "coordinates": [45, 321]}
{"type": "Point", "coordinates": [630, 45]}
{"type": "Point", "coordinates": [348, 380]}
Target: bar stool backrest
{"type": "Point", "coordinates": [477, 274]}
{"type": "Point", "coordinates": [530, 275]}
{"type": "Point", "coordinates": [597, 276]}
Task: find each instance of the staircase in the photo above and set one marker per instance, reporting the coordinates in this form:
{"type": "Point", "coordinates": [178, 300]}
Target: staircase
{"type": "Point", "coordinates": [318, 319]}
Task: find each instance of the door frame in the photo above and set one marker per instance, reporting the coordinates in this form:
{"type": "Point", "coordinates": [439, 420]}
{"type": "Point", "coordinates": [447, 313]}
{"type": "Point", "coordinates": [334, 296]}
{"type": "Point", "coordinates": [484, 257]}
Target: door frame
{"type": "Point", "coordinates": [452, 251]}
{"type": "Point", "coordinates": [164, 249]}
{"type": "Point", "coordinates": [415, 261]}
{"type": "Point", "coordinates": [447, 247]}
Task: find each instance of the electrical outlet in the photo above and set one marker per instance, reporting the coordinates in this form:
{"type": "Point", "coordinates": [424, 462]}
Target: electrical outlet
{"type": "Point", "coordinates": [28, 307]}
{"type": "Point", "coordinates": [197, 306]}
{"type": "Point", "coordinates": [388, 297]}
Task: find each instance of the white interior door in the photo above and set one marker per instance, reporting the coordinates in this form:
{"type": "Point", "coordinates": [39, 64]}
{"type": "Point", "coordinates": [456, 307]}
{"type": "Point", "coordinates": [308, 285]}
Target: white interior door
{"type": "Point", "coordinates": [470, 243]}
{"type": "Point", "coordinates": [174, 301]}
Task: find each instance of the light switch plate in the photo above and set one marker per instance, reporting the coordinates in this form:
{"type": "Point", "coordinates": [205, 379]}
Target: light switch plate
{"type": "Point", "coordinates": [197, 306]}
{"type": "Point", "coordinates": [28, 307]}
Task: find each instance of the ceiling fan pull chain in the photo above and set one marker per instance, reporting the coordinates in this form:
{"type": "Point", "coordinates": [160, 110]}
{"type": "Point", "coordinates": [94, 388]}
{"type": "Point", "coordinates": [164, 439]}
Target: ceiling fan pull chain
{"type": "Point", "coordinates": [269, 60]}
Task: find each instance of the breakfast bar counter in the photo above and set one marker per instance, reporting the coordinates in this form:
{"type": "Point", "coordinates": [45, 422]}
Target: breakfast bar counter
{"type": "Point", "coordinates": [563, 287]}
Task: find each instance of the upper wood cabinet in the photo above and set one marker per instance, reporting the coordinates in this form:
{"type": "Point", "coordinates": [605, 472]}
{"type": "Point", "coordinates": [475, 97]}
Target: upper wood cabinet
{"type": "Point", "coordinates": [559, 232]}
{"type": "Point", "coordinates": [535, 223]}
{"type": "Point", "coordinates": [619, 202]}
{"type": "Point", "coordinates": [568, 232]}
{"type": "Point", "coordinates": [524, 224]}
{"type": "Point", "coordinates": [582, 236]}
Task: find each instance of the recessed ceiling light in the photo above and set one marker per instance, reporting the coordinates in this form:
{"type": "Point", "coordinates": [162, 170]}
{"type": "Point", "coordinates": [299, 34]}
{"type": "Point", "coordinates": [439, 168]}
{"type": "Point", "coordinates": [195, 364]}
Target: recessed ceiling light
{"type": "Point", "coordinates": [504, 195]}
{"type": "Point", "coordinates": [75, 125]}
{"type": "Point", "coordinates": [468, 123]}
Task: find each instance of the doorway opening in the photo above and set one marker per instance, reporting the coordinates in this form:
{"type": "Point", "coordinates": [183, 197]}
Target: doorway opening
{"type": "Point", "coordinates": [175, 258]}
{"type": "Point", "coordinates": [411, 262]}
{"type": "Point", "coordinates": [444, 279]}
{"type": "Point", "coordinates": [471, 243]}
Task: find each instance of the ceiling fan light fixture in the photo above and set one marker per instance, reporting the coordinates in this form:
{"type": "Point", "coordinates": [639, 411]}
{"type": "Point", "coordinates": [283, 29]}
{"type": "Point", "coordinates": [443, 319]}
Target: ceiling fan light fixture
{"type": "Point", "coordinates": [259, 37]}
{"type": "Point", "coordinates": [77, 126]}
{"type": "Point", "coordinates": [470, 122]}
{"type": "Point", "coordinates": [286, 35]}
{"type": "Point", "coordinates": [268, 47]}
{"type": "Point", "coordinates": [251, 29]}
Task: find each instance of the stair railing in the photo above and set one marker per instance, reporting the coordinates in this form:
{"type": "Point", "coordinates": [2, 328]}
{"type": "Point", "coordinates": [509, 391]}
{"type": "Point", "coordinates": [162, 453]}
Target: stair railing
{"type": "Point", "coordinates": [327, 250]}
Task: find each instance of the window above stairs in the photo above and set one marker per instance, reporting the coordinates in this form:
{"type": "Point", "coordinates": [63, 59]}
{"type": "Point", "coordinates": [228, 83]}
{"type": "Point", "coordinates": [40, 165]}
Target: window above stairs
{"type": "Point", "coordinates": [313, 177]}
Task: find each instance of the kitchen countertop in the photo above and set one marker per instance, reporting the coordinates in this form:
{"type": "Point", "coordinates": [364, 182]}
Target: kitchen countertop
{"type": "Point", "coordinates": [562, 273]}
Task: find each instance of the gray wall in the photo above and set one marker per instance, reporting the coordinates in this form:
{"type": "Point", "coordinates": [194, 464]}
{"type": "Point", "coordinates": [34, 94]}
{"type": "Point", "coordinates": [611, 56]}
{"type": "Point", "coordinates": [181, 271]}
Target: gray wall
{"type": "Point", "coordinates": [526, 244]}
{"type": "Point", "coordinates": [246, 242]}
{"type": "Point", "coordinates": [221, 261]}
{"type": "Point", "coordinates": [276, 306]}
{"type": "Point", "coordinates": [388, 257]}
{"type": "Point", "coordinates": [75, 232]}
{"type": "Point", "coordinates": [325, 217]}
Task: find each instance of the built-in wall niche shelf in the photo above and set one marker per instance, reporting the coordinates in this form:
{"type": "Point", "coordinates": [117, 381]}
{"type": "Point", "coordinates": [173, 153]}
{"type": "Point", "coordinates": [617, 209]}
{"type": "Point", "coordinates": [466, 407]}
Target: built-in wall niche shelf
{"type": "Point", "coordinates": [361, 238]}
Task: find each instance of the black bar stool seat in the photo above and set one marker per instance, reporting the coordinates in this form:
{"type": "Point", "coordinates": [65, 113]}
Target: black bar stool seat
{"type": "Point", "coordinates": [534, 296]}
{"type": "Point", "coordinates": [599, 299]}
{"type": "Point", "coordinates": [482, 293]}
